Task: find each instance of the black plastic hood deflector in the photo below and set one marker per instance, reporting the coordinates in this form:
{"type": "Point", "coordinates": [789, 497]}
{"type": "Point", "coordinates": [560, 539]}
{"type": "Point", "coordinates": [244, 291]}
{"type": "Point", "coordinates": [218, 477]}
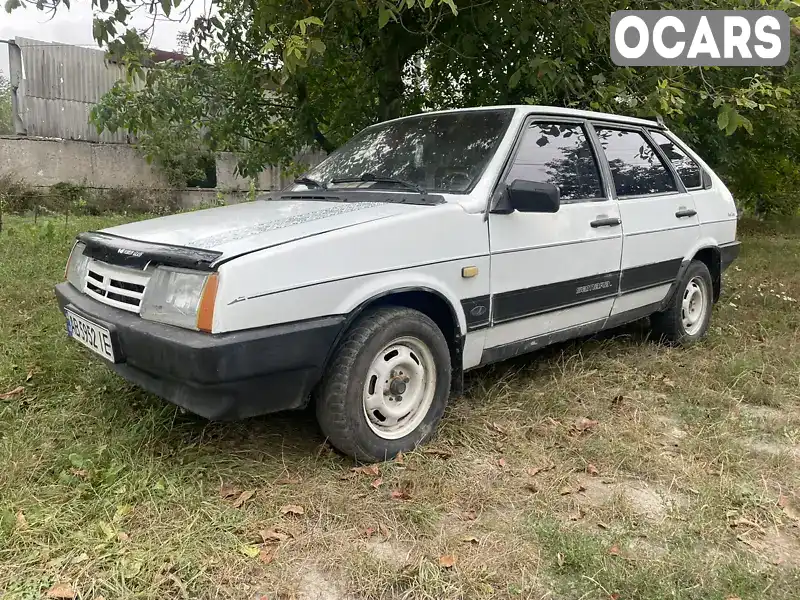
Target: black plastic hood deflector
{"type": "Point", "coordinates": [125, 252]}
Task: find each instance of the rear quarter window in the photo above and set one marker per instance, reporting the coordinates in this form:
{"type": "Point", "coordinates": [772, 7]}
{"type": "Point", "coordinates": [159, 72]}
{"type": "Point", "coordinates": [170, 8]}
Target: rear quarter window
{"type": "Point", "coordinates": [688, 170]}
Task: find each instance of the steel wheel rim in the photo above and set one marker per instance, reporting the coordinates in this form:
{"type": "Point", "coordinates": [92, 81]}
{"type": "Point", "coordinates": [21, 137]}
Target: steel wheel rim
{"type": "Point", "coordinates": [399, 387]}
{"type": "Point", "coordinates": [694, 305]}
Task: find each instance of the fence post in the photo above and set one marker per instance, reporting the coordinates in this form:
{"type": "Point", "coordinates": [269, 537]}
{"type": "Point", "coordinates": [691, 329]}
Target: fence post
{"type": "Point", "coordinates": [15, 68]}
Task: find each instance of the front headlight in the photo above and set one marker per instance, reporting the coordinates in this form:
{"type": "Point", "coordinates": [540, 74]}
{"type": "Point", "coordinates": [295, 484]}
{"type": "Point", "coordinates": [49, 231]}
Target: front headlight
{"type": "Point", "coordinates": [77, 266]}
{"type": "Point", "coordinates": [180, 297]}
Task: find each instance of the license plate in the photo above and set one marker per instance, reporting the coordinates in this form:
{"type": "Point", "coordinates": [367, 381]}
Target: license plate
{"type": "Point", "coordinates": [91, 335]}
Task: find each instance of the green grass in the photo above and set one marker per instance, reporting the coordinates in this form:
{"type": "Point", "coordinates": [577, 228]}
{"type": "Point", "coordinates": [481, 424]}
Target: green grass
{"type": "Point", "coordinates": [697, 451]}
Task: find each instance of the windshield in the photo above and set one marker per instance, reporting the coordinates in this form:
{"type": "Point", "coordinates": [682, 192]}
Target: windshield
{"type": "Point", "coordinates": [445, 152]}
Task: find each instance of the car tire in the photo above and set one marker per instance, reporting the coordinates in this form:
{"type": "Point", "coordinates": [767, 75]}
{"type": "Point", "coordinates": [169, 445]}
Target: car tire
{"type": "Point", "coordinates": [687, 317]}
{"type": "Point", "coordinates": [392, 360]}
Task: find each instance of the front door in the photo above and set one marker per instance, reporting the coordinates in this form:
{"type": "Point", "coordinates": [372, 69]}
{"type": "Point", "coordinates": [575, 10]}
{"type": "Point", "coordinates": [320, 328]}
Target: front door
{"type": "Point", "coordinates": [554, 273]}
{"type": "Point", "coordinates": [659, 220]}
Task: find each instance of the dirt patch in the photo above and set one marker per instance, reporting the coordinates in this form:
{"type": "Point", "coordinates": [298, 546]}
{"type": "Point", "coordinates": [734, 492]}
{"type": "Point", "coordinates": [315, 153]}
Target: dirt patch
{"type": "Point", "coordinates": [777, 545]}
{"type": "Point", "coordinates": [775, 449]}
{"type": "Point", "coordinates": [646, 500]}
{"type": "Point", "coordinates": [392, 552]}
{"type": "Point", "coordinates": [315, 584]}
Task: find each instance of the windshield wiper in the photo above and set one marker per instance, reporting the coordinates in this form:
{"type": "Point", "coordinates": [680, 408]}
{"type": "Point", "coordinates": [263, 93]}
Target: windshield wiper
{"type": "Point", "coordinates": [372, 177]}
{"type": "Point", "coordinates": [311, 183]}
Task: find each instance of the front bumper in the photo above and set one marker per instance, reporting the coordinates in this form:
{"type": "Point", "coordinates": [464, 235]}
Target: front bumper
{"type": "Point", "coordinates": [222, 377]}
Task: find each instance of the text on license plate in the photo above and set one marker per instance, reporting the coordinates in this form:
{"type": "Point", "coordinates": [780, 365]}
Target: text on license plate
{"type": "Point", "coordinates": [91, 335]}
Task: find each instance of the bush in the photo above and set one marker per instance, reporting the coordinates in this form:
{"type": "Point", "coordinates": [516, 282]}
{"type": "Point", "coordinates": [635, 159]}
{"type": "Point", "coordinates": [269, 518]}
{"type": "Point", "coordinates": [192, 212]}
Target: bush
{"type": "Point", "coordinates": [18, 197]}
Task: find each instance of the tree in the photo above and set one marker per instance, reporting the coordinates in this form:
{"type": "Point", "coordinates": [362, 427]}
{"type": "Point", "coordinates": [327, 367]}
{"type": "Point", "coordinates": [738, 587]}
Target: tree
{"type": "Point", "coordinates": [6, 123]}
{"type": "Point", "coordinates": [268, 77]}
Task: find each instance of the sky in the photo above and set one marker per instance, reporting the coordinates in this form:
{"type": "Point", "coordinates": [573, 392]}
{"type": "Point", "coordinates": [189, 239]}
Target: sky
{"type": "Point", "coordinates": [74, 26]}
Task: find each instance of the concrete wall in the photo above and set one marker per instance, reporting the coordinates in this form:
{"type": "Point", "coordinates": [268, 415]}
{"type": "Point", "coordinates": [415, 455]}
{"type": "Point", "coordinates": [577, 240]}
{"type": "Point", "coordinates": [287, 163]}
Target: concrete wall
{"type": "Point", "coordinates": [47, 162]}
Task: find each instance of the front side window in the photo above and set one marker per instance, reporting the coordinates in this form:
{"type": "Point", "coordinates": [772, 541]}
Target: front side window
{"type": "Point", "coordinates": [560, 154]}
{"type": "Point", "coordinates": [635, 165]}
{"type": "Point", "coordinates": [444, 153]}
{"type": "Point", "coordinates": [688, 170]}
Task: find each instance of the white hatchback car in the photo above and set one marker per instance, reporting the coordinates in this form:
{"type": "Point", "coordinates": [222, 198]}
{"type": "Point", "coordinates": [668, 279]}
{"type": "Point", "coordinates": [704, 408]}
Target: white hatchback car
{"type": "Point", "coordinates": [424, 247]}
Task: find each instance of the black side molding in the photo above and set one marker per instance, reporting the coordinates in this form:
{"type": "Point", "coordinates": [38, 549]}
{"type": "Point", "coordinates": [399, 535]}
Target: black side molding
{"type": "Point", "coordinates": [125, 252]}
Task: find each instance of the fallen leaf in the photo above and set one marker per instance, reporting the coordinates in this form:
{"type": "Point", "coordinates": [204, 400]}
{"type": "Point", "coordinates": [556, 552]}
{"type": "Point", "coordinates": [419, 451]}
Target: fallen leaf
{"type": "Point", "coordinates": [614, 596]}
{"type": "Point", "coordinates": [400, 459]}
{"type": "Point", "coordinates": [227, 491]}
{"type": "Point", "coordinates": [602, 525]}
{"type": "Point", "coordinates": [82, 473]}
{"type": "Point", "coordinates": [788, 509]}
{"type": "Point", "coordinates": [289, 480]}
{"type": "Point", "coordinates": [592, 470]}
{"type": "Point", "coordinates": [447, 561]}
{"type": "Point", "coordinates": [243, 497]}
{"type": "Point", "coordinates": [249, 550]}
{"type": "Point", "coordinates": [14, 392]}
{"type": "Point", "coordinates": [122, 536]}
{"type": "Point", "coordinates": [470, 540]}
{"type": "Point", "coordinates": [22, 522]}
{"type": "Point", "coordinates": [62, 591]}
{"type": "Point", "coordinates": [377, 483]}
{"type": "Point", "coordinates": [582, 425]}
{"type": "Point", "coordinates": [469, 515]}
{"type": "Point", "coordinates": [571, 489]}
{"type": "Point", "coordinates": [577, 515]}
{"type": "Point", "coordinates": [440, 452]}
{"type": "Point", "coordinates": [560, 559]}
{"type": "Point", "coordinates": [29, 376]}
{"type": "Point", "coordinates": [533, 471]}
{"type": "Point", "coordinates": [501, 463]}
{"type": "Point", "coordinates": [274, 535]}
{"type": "Point", "coordinates": [369, 532]}
{"type": "Point", "coordinates": [266, 555]}
{"type": "Point", "coordinates": [400, 495]}
{"type": "Point", "coordinates": [373, 470]}
{"type": "Point", "coordinates": [497, 428]}
{"type": "Point", "coordinates": [292, 509]}
{"type": "Point", "coordinates": [614, 550]}
{"type": "Point", "coordinates": [384, 530]}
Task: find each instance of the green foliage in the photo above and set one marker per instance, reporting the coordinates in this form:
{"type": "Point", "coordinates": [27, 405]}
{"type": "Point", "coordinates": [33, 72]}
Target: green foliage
{"type": "Point", "coordinates": [18, 197]}
{"type": "Point", "coordinates": [268, 77]}
{"type": "Point", "coordinates": [6, 124]}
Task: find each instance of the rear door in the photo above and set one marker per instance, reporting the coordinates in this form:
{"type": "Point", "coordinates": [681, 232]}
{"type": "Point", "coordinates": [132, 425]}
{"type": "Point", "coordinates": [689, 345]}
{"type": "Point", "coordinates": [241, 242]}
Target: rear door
{"type": "Point", "coordinates": [659, 218]}
{"type": "Point", "coordinates": [553, 273]}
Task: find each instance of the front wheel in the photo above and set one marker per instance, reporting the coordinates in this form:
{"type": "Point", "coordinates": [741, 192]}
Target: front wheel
{"type": "Point", "coordinates": [687, 317]}
{"type": "Point", "coordinates": [387, 385]}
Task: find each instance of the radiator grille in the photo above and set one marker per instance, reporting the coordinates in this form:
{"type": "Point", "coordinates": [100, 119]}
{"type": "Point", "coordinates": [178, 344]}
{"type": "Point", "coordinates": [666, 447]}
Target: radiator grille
{"type": "Point", "coordinates": [116, 286]}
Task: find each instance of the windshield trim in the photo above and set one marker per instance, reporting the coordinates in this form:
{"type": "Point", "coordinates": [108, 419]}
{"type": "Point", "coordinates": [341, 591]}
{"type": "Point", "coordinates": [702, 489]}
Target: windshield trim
{"type": "Point", "coordinates": [509, 111]}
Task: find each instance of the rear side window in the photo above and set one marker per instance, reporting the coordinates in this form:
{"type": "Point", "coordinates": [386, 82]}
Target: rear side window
{"type": "Point", "coordinates": [635, 165]}
{"type": "Point", "coordinates": [560, 154]}
{"type": "Point", "coordinates": [688, 170]}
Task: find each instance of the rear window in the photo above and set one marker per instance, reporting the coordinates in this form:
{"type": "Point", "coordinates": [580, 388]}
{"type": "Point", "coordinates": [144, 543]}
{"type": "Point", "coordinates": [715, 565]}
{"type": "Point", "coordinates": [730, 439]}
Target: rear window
{"type": "Point", "coordinates": [688, 170]}
{"type": "Point", "coordinates": [636, 167]}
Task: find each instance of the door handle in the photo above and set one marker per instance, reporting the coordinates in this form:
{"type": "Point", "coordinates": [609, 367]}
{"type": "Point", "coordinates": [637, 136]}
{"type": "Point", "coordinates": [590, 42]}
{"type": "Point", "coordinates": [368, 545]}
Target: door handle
{"type": "Point", "coordinates": [606, 222]}
{"type": "Point", "coordinates": [686, 212]}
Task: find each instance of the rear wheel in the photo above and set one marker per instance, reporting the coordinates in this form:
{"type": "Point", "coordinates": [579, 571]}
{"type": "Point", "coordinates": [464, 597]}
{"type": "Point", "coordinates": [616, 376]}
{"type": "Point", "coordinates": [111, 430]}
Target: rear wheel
{"type": "Point", "coordinates": [387, 385]}
{"type": "Point", "coordinates": [688, 315]}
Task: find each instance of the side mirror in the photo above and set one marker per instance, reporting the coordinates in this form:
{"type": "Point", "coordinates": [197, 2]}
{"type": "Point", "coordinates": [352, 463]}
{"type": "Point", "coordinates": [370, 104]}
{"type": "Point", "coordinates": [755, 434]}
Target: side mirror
{"type": "Point", "coordinates": [533, 196]}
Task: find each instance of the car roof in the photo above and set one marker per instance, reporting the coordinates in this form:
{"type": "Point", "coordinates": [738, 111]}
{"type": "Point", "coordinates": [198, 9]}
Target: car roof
{"type": "Point", "coordinates": [557, 111]}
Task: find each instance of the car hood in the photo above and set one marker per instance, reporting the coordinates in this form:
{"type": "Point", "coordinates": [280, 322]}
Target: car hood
{"type": "Point", "coordinates": [241, 228]}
